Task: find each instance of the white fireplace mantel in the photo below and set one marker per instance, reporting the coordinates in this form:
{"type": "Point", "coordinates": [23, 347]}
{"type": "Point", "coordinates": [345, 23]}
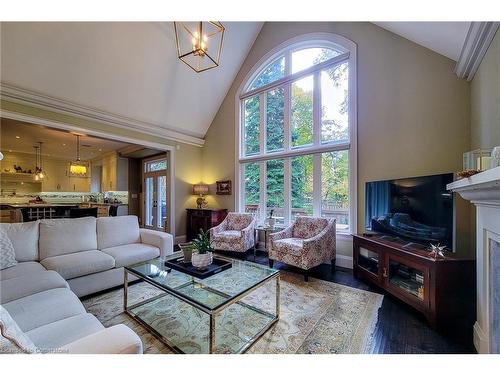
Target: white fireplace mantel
{"type": "Point", "coordinates": [483, 189]}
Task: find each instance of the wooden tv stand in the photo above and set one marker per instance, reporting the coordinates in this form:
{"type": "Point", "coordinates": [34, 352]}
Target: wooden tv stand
{"type": "Point", "coordinates": [442, 289]}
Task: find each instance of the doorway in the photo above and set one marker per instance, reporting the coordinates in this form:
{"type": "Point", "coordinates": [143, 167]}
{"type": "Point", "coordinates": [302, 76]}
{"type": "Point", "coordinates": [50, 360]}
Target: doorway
{"type": "Point", "coordinates": [156, 193]}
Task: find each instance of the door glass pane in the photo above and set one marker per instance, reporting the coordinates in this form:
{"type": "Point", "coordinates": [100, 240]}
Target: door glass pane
{"type": "Point", "coordinates": [334, 104]}
{"type": "Point", "coordinates": [407, 278]}
{"type": "Point", "coordinates": [275, 107]}
{"type": "Point", "coordinates": [302, 185]}
{"type": "Point", "coordinates": [335, 187]}
{"type": "Point", "coordinates": [149, 200]}
{"type": "Point", "coordinates": [308, 57]}
{"type": "Point", "coordinates": [302, 112]}
{"type": "Point", "coordinates": [252, 187]}
{"type": "Point", "coordinates": [251, 128]}
{"type": "Point", "coordinates": [275, 196]}
{"type": "Point", "coordinates": [157, 165]}
{"type": "Point", "coordinates": [368, 260]}
{"type": "Point", "coordinates": [162, 201]}
{"type": "Point", "coordinates": [271, 73]}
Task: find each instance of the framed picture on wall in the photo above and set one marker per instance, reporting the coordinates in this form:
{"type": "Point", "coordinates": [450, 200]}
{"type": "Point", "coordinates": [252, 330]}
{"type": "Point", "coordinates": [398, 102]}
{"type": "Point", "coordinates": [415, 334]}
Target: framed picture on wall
{"type": "Point", "coordinates": [224, 187]}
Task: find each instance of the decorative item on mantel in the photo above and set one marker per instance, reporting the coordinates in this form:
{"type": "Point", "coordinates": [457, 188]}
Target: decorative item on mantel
{"type": "Point", "coordinates": [199, 44]}
{"type": "Point", "coordinates": [224, 187]}
{"type": "Point", "coordinates": [201, 190]}
{"type": "Point", "coordinates": [476, 161]}
{"type": "Point", "coordinates": [495, 157]}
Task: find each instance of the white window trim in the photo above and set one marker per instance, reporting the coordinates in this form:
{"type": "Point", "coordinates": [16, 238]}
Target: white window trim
{"type": "Point", "coordinates": [286, 48]}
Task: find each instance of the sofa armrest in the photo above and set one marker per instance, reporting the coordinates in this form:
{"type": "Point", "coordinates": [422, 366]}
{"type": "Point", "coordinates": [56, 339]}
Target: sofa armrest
{"type": "Point", "coordinates": [163, 241]}
{"type": "Point", "coordinates": [285, 233]}
{"type": "Point", "coordinates": [218, 228]}
{"type": "Point", "coordinates": [117, 339]}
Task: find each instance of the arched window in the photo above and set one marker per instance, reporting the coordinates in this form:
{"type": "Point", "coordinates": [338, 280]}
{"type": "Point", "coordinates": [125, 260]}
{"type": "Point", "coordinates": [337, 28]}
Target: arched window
{"type": "Point", "coordinates": [297, 132]}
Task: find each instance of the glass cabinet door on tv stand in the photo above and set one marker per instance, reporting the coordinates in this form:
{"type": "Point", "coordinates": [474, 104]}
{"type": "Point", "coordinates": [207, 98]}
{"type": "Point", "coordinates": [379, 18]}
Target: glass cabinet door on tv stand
{"type": "Point", "coordinates": [407, 279]}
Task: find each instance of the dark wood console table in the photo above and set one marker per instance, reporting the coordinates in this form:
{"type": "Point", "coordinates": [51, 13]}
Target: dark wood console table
{"type": "Point", "coordinates": [202, 219]}
{"type": "Point", "coordinates": [442, 289]}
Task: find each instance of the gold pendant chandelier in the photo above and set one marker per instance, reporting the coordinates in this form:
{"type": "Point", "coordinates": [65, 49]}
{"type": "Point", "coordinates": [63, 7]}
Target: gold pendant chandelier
{"type": "Point", "coordinates": [199, 44]}
{"type": "Point", "coordinates": [77, 168]}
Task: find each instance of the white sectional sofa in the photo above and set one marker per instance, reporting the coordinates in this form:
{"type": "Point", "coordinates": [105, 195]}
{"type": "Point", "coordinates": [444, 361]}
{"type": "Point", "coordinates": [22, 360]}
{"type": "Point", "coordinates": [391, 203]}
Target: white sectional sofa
{"type": "Point", "coordinates": [61, 259]}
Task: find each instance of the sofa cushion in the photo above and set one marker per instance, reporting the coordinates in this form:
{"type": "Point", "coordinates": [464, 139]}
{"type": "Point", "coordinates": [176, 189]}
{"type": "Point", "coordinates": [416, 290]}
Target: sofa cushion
{"type": "Point", "coordinates": [126, 255]}
{"type": "Point", "coordinates": [29, 284]}
{"type": "Point", "coordinates": [65, 236]}
{"type": "Point", "coordinates": [21, 269]}
{"type": "Point", "coordinates": [12, 338]}
{"type": "Point", "coordinates": [56, 334]}
{"type": "Point", "coordinates": [43, 308]}
{"type": "Point", "coordinates": [7, 254]}
{"type": "Point", "coordinates": [24, 237]}
{"type": "Point", "coordinates": [79, 264]}
{"type": "Point", "coordinates": [117, 230]}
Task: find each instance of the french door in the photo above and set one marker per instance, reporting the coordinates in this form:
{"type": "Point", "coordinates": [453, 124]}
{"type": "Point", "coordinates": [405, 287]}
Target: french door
{"type": "Point", "coordinates": [155, 192]}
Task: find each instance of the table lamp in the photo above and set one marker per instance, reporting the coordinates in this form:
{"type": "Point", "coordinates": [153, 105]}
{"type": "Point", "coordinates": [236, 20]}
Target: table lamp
{"type": "Point", "coordinates": [201, 190]}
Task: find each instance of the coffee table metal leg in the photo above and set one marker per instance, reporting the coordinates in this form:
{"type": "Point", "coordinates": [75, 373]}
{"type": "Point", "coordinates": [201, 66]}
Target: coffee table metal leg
{"type": "Point", "coordinates": [211, 335]}
{"type": "Point", "coordinates": [278, 291]}
{"type": "Point", "coordinates": [125, 289]}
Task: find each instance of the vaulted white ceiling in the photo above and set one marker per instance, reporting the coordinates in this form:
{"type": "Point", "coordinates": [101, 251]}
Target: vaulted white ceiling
{"type": "Point", "coordinates": [445, 38]}
{"type": "Point", "coordinates": [124, 68]}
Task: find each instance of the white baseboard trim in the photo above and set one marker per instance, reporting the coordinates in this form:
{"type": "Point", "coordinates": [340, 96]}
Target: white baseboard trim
{"type": "Point", "coordinates": [343, 261]}
{"type": "Point", "coordinates": [179, 239]}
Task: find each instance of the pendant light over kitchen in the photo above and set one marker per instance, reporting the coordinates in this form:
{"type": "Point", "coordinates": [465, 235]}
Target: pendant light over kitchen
{"type": "Point", "coordinates": [77, 168]}
{"type": "Point", "coordinates": [39, 173]}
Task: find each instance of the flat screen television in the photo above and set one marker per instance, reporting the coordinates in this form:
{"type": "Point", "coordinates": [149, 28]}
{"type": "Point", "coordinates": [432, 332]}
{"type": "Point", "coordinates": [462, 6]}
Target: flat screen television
{"type": "Point", "coordinates": [419, 209]}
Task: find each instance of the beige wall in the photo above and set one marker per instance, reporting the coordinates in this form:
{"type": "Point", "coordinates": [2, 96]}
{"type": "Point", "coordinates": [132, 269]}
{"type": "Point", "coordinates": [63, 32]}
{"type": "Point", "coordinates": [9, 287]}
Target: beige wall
{"type": "Point", "coordinates": [485, 99]}
{"type": "Point", "coordinates": [413, 111]}
{"type": "Point", "coordinates": [187, 158]}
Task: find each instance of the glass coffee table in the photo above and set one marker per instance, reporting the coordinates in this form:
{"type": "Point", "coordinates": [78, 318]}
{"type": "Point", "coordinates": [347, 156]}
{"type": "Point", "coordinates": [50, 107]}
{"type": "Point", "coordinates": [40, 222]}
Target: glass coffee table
{"type": "Point", "coordinates": [224, 313]}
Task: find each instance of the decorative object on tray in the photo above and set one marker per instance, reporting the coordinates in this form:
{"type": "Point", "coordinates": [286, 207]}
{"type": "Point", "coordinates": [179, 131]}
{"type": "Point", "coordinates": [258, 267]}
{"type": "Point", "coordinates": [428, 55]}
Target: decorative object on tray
{"type": "Point", "coordinates": [224, 187]}
{"type": "Point", "coordinates": [217, 265]}
{"type": "Point", "coordinates": [479, 159]}
{"type": "Point", "coordinates": [495, 157]}
{"type": "Point", "coordinates": [201, 190]}
{"type": "Point", "coordinates": [202, 251]}
{"type": "Point", "coordinates": [187, 251]}
{"type": "Point", "coordinates": [468, 173]}
{"type": "Point", "coordinates": [271, 221]}
{"type": "Point", "coordinates": [437, 251]}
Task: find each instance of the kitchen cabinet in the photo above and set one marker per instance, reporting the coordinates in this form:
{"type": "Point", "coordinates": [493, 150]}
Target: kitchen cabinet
{"type": "Point", "coordinates": [114, 174]}
{"type": "Point", "coordinates": [58, 180]}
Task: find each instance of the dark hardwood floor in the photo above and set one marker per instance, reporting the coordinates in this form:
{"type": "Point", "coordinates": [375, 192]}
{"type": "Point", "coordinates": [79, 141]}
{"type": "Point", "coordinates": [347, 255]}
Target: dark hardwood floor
{"type": "Point", "coordinates": [399, 330]}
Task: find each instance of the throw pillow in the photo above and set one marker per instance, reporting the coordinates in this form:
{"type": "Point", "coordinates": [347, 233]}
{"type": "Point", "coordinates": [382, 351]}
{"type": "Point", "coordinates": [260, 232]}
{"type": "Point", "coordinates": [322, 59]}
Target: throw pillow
{"type": "Point", "coordinates": [7, 254]}
{"type": "Point", "coordinates": [12, 339]}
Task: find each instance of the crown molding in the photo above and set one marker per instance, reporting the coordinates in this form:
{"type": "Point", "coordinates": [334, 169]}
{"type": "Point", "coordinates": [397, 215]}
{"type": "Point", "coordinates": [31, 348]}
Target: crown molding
{"type": "Point", "coordinates": [476, 44]}
{"type": "Point", "coordinates": [24, 96]}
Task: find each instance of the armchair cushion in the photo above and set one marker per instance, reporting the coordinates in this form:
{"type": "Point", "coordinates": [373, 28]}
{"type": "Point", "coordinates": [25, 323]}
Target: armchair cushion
{"type": "Point", "coordinates": [228, 233]}
{"type": "Point", "coordinates": [293, 246]}
{"type": "Point", "coordinates": [307, 227]}
{"type": "Point", "coordinates": [238, 221]}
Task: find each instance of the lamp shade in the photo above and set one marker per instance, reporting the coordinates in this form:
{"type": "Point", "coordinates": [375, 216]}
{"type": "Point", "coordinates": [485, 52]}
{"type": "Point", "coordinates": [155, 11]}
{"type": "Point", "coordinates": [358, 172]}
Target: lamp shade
{"type": "Point", "coordinates": [200, 189]}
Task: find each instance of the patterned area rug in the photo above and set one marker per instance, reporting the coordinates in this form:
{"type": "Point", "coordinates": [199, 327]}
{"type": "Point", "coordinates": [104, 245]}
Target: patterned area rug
{"type": "Point", "coordinates": [316, 317]}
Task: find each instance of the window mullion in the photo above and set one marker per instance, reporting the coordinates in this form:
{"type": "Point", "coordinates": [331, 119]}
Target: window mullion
{"type": "Point", "coordinates": [263, 191]}
{"type": "Point", "coordinates": [286, 119]}
{"type": "Point", "coordinates": [317, 109]}
{"type": "Point", "coordinates": [287, 189]}
{"type": "Point", "coordinates": [317, 185]}
{"type": "Point", "coordinates": [262, 123]}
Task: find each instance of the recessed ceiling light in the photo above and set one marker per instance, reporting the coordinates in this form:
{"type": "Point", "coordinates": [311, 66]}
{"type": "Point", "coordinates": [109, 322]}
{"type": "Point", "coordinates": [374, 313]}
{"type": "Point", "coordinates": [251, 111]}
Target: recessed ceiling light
{"type": "Point", "coordinates": [100, 149]}
{"type": "Point", "coordinates": [64, 144]}
{"type": "Point", "coordinates": [18, 137]}
{"type": "Point", "coordinates": [10, 150]}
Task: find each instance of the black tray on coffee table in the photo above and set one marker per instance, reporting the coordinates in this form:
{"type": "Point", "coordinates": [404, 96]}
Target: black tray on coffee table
{"type": "Point", "coordinates": [218, 265]}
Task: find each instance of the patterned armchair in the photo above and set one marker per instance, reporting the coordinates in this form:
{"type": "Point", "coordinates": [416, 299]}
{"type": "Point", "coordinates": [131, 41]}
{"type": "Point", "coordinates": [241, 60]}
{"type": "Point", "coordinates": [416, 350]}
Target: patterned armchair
{"type": "Point", "coordinates": [235, 233]}
{"type": "Point", "coordinates": [307, 243]}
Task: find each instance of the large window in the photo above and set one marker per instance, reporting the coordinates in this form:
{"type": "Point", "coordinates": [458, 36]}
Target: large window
{"type": "Point", "coordinates": [297, 143]}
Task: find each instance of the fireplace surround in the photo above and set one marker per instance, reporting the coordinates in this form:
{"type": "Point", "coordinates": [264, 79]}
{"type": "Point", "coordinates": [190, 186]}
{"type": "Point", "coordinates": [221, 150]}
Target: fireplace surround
{"type": "Point", "coordinates": [483, 190]}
